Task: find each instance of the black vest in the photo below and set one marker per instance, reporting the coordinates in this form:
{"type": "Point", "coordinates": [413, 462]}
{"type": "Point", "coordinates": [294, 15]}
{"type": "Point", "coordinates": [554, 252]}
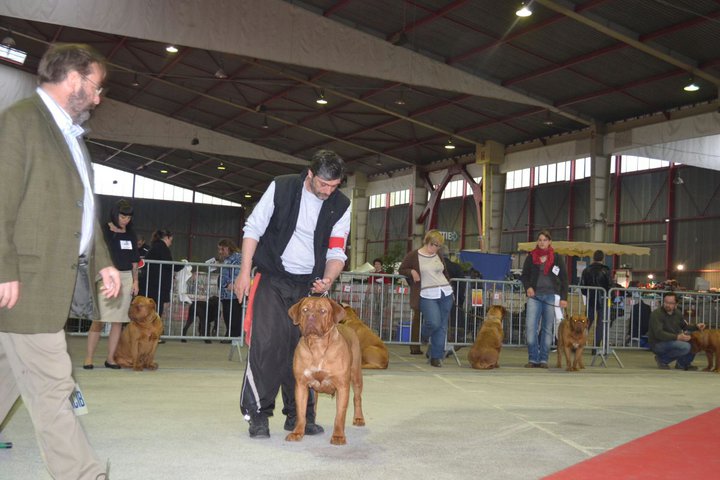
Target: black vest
{"type": "Point", "coordinates": [288, 193]}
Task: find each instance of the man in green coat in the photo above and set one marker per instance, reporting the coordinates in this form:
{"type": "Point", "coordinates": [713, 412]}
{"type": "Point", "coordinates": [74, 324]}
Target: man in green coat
{"type": "Point", "coordinates": [50, 247]}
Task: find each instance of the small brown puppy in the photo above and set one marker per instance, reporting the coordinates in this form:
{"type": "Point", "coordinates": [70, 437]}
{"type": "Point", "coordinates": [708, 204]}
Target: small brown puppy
{"type": "Point", "coordinates": [485, 353]}
{"type": "Point", "coordinates": [140, 337]}
{"type": "Point", "coordinates": [374, 352]}
{"type": "Point", "coordinates": [327, 359]}
{"type": "Point", "coordinates": [572, 336]}
{"type": "Point", "coordinates": [707, 341]}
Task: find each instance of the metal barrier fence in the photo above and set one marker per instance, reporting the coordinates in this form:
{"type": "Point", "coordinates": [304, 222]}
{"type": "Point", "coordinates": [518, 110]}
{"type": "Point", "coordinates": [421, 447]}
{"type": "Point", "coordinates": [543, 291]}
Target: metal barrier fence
{"type": "Point", "coordinates": [193, 310]}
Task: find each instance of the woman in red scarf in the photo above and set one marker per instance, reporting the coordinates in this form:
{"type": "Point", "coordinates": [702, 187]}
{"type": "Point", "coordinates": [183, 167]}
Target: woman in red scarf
{"type": "Point", "coordinates": [545, 279]}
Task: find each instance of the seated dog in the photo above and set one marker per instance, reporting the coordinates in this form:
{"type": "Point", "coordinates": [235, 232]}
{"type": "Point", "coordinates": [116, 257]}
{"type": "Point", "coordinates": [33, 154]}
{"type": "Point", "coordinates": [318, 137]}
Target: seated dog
{"type": "Point", "coordinates": [327, 359]}
{"type": "Point", "coordinates": [140, 337]}
{"type": "Point", "coordinates": [707, 341]}
{"type": "Point", "coordinates": [485, 353]}
{"type": "Point", "coordinates": [572, 335]}
{"type": "Point", "coordinates": [373, 350]}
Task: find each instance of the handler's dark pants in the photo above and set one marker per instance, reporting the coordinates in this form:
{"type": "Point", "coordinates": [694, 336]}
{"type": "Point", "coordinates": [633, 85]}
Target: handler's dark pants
{"type": "Point", "coordinates": [272, 347]}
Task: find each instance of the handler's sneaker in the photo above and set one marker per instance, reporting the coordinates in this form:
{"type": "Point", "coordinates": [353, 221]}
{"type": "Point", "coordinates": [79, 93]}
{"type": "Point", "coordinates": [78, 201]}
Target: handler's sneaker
{"type": "Point", "coordinates": [311, 428]}
{"type": "Point", "coordinates": [661, 366]}
{"type": "Point", "coordinates": [259, 427]}
{"type": "Point", "coordinates": [688, 368]}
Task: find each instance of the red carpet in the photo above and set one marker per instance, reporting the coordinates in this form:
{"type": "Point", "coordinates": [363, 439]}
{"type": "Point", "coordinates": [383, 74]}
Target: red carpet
{"type": "Point", "coordinates": [689, 449]}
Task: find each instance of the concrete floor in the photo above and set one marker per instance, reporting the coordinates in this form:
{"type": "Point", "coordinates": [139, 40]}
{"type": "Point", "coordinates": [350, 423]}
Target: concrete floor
{"type": "Point", "coordinates": [183, 421]}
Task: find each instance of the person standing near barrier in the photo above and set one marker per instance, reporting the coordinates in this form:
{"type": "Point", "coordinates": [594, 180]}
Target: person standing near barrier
{"type": "Point", "coordinates": [430, 292]}
{"type": "Point", "coordinates": [597, 274]}
{"type": "Point", "coordinates": [230, 254]}
{"type": "Point", "coordinates": [51, 250]}
{"type": "Point", "coordinates": [668, 338]}
{"type": "Point", "coordinates": [159, 276]}
{"type": "Point", "coordinates": [122, 243]}
{"type": "Point", "coordinates": [545, 279]}
{"type": "Point", "coordinates": [296, 238]}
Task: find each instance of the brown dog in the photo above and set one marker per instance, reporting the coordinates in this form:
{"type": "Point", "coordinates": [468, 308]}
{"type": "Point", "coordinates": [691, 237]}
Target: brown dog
{"type": "Point", "coordinates": [327, 359]}
{"type": "Point", "coordinates": [140, 337]}
{"type": "Point", "coordinates": [485, 353]}
{"type": "Point", "coordinates": [572, 336]}
{"type": "Point", "coordinates": [707, 341]}
{"type": "Point", "coordinates": [373, 350]}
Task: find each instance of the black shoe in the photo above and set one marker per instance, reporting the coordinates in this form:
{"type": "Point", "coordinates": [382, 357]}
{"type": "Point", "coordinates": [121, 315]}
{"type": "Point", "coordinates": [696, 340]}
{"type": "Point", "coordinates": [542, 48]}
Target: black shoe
{"type": "Point", "coordinates": [259, 427]}
{"type": "Point", "coordinates": [660, 365]}
{"type": "Point", "coordinates": [311, 428]}
{"type": "Point", "coordinates": [415, 350]}
{"type": "Point", "coordinates": [225, 341]}
{"type": "Point", "coordinates": [208, 341]}
{"type": "Point", "coordinates": [688, 368]}
{"type": "Point", "coordinates": [114, 366]}
{"type": "Point", "coordinates": [182, 340]}
{"type": "Point", "coordinates": [161, 341]}
{"type": "Point", "coordinates": [435, 362]}
{"type": "Point", "coordinates": [89, 366]}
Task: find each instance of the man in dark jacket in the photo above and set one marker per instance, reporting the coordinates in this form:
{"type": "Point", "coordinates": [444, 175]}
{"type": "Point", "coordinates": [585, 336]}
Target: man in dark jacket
{"type": "Point", "coordinates": [296, 238]}
{"type": "Point", "coordinates": [667, 335]}
{"type": "Point", "coordinates": [597, 274]}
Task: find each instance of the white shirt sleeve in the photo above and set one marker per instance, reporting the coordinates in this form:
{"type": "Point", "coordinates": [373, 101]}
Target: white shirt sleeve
{"type": "Point", "coordinates": [259, 219]}
{"type": "Point", "coordinates": [340, 230]}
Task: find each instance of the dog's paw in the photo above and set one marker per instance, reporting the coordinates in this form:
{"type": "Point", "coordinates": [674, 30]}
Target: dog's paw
{"type": "Point", "coordinates": [359, 422]}
{"type": "Point", "coordinates": [152, 366]}
{"type": "Point", "coordinates": [569, 369]}
{"type": "Point", "coordinates": [137, 368]}
{"type": "Point", "coordinates": [338, 440]}
{"type": "Point", "coordinates": [294, 437]}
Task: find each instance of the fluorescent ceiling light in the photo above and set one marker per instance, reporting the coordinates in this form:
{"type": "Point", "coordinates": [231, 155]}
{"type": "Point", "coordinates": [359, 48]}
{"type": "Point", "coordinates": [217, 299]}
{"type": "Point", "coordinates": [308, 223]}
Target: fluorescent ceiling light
{"type": "Point", "coordinates": [12, 55]}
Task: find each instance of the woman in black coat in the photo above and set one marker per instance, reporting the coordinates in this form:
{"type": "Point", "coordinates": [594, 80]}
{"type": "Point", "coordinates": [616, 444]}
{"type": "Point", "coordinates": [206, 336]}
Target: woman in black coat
{"type": "Point", "coordinates": [160, 276]}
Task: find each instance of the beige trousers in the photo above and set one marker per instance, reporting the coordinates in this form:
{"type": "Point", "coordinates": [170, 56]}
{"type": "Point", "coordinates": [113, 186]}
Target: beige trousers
{"type": "Point", "coordinates": [37, 367]}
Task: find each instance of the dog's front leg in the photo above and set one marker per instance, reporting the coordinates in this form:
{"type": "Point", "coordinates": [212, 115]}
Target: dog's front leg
{"type": "Point", "coordinates": [301, 399]}
{"type": "Point", "coordinates": [343, 397]}
{"type": "Point", "coordinates": [135, 353]}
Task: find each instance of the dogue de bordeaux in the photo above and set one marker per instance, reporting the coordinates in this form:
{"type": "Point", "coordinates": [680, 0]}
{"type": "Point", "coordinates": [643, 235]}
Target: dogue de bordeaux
{"type": "Point", "coordinates": [327, 359]}
{"type": "Point", "coordinates": [572, 335]}
{"type": "Point", "coordinates": [373, 350]}
{"type": "Point", "coordinates": [707, 341]}
{"type": "Point", "coordinates": [140, 337]}
{"type": "Point", "coordinates": [485, 353]}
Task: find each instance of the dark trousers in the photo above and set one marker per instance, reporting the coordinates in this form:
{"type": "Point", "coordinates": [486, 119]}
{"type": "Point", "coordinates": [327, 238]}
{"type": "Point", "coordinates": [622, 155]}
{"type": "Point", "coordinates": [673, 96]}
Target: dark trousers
{"type": "Point", "coordinates": [232, 317]}
{"type": "Point", "coordinates": [273, 341]}
{"type": "Point", "coordinates": [596, 310]}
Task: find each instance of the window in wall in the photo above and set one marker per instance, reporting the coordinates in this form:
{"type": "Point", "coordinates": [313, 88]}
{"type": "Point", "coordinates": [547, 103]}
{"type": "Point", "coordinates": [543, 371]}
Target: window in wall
{"type": "Point", "coordinates": [111, 181]}
{"type": "Point", "coordinates": [582, 168]}
{"type": "Point", "coordinates": [401, 197]}
{"type": "Point", "coordinates": [468, 189]}
{"type": "Point", "coordinates": [555, 172]}
{"type": "Point", "coordinates": [517, 179]}
{"type": "Point", "coordinates": [377, 201]}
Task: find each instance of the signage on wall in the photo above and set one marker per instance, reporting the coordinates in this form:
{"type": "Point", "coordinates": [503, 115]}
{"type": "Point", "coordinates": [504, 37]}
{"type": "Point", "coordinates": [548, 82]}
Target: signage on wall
{"type": "Point", "coordinates": [450, 236]}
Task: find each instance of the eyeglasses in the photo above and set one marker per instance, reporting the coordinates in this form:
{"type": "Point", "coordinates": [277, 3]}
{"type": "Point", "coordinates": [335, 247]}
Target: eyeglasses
{"type": "Point", "coordinates": [98, 88]}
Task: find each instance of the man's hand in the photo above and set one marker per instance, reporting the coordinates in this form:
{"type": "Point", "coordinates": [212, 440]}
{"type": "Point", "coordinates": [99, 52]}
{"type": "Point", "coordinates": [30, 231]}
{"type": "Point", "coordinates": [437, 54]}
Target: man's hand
{"type": "Point", "coordinates": [530, 292]}
{"type": "Point", "coordinates": [683, 337]}
{"type": "Point", "coordinates": [321, 285]}
{"type": "Point", "coordinates": [9, 294]}
{"type": "Point", "coordinates": [242, 286]}
{"type": "Point", "coordinates": [111, 282]}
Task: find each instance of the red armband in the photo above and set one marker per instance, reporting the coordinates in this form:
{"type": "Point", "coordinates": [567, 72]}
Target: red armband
{"type": "Point", "coordinates": [336, 242]}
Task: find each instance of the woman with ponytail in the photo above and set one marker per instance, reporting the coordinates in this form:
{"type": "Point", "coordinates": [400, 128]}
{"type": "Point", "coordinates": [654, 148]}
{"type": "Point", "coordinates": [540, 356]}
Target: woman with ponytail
{"type": "Point", "coordinates": [545, 280]}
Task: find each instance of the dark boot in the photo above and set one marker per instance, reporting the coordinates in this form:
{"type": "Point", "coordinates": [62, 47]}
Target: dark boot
{"type": "Point", "coordinates": [415, 350]}
{"type": "Point", "coordinates": [311, 428]}
{"type": "Point", "coordinates": [259, 427]}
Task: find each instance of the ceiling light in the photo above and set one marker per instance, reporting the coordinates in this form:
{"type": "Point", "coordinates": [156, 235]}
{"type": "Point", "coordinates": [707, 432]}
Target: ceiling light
{"type": "Point", "coordinates": [681, 267]}
{"type": "Point", "coordinates": [650, 276]}
{"type": "Point", "coordinates": [220, 74]}
{"type": "Point", "coordinates": [321, 98]}
{"type": "Point", "coordinates": [247, 195]}
{"type": "Point", "coordinates": [171, 49]}
{"type": "Point", "coordinates": [524, 10]}
{"type": "Point", "coordinates": [400, 100]}
{"type": "Point", "coordinates": [135, 82]}
{"type": "Point", "coordinates": [221, 166]}
{"type": "Point", "coordinates": [692, 86]}
{"type": "Point", "coordinates": [450, 145]}
{"type": "Point", "coordinates": [195, 141]}
{"type": "Point", "coordinates": [378, 162]}
{"type": "Point", "coordinates": [9, 53]}
{"type": "Point", "coordinates": [678, 180]}
{"type": "Point", "coordinates": [548, 121]}
{"type": "Point", "coordinates": [163, 171]}
{"type": "Point", "coordinates": [265, 124]}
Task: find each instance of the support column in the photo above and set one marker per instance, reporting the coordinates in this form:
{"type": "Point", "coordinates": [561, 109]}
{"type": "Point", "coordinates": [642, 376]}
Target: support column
{"type": "Point", "coordinates": [357, 189]}
{"type": "Point", "coordinates": [599, 186]}
{"type": "Point", "coordinates": [490, 155]}
{"type": "Point", "coordinates": [419, 203]}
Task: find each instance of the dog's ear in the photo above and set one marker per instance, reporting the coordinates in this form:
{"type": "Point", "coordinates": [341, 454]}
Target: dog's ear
{"type": "Point", "coordinates": [294, 312]}
{"type": "Point", "coordinates": [152, 302]}
{"type": "Point", "coordinates": [338, 310]}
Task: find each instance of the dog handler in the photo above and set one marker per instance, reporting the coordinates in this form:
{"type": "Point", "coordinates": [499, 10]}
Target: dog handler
{"type": "Point", "coordinates": [51, 249]}
{"type": "Point", "coordinates": [296, 238]}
